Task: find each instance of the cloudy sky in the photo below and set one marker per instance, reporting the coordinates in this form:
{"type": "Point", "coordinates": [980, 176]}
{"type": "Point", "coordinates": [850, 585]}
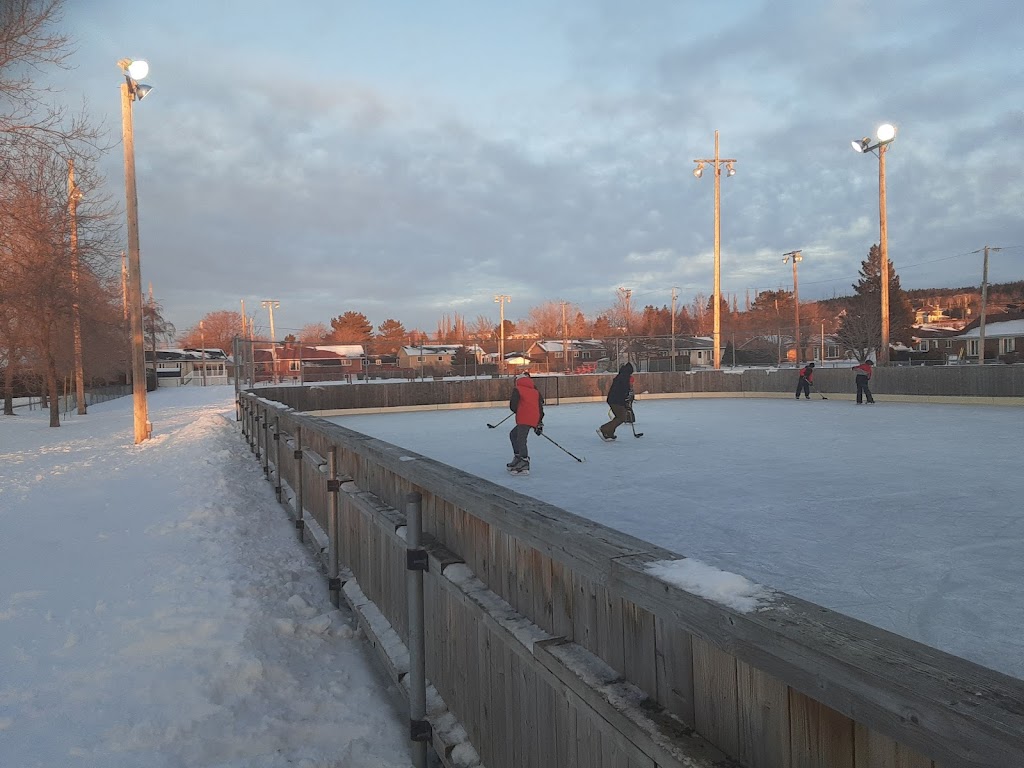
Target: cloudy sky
{"type": "Point", "coordinates": [409, 160]}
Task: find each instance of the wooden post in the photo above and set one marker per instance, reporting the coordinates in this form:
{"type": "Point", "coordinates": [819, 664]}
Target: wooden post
{"type": "Point", "coordinates": [277, 457]}
{"type": "Point", "coordinates": [300, 523]}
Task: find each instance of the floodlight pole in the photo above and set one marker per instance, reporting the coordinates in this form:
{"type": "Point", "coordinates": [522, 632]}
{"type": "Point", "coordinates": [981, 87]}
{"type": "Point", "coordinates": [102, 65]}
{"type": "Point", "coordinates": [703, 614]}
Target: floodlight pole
{"type": "Point", "coordinates": [716, 162]}
{"type": "Point", "coordinates": [140, 410]}
{"type": "Point", "coordinates": [795, 257]}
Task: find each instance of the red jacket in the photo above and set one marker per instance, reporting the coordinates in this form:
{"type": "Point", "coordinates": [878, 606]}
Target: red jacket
{"type": "Point", "coordinates": [807, 373]}
{"type": "Point", "coordinates": [863, 369]}
{"type": "Point", "coordinates": [527, 402]}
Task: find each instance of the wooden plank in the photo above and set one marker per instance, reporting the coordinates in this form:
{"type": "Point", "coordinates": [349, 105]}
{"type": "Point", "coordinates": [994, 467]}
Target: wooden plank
{"type": "Point", "coordinates": [524, 578]}
{"type": "Point", "coordinates": [561, 601]}
{"type": "Point", "coordinates": [949, 708]}
{"type": "Point", "coordinates": [546, 713]}
{"type": "Point", "coordinates": [674, 667]}
{"type": "Point", "coordinates": [876, 750]}
{"type": "Point", "coordinates": [542, 600]}
{"type": "Point", "coordinates": [763, 707]}
{"type": "Point", "coordinates": [715, 708]}
{"type": "Point", "coordinates": [819, 736]}
{"type": "Point", "coordinates": [565, 728]}
{"type": "Point", "coordinates": [639, 654]}
{"type": "Point", "coordinates": [481, 728]}
{"type": "Point", "coordinates": [584, 612]}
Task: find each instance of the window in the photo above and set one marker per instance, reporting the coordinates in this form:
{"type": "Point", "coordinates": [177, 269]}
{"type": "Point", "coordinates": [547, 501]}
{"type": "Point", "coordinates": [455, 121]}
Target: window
{"type": "Point", "coordinates": [585, 355]}
{"type": "Point", "coordinates": [832, 352]}
{"type": "Point", "coordinates": [440, 358]}
{"type": "Point", "coordinates": [346, 362]}
{"type": "Point", "coordinates": [949, 343]}
{"type": "Point", "coordinates": [377, 361]}
{"type": "Point", "coordinates": [558, 355]}
{"type": "Point", "coordinates": [972, 347]}
{"type": "Point", "coordinates": [1006, 346]}
{"type": "Point", "coordinates": [922, 345]}
{"type": "Point", "coordinates": [293, 365]}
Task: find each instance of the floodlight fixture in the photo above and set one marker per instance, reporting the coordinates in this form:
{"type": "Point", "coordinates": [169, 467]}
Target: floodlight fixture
{"type": "Point", "coordinates": [138, 69]}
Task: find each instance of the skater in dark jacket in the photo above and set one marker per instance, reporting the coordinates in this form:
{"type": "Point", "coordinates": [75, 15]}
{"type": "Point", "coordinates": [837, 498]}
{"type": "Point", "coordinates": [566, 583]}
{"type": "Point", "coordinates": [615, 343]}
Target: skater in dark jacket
{"type": "Point", "coordinates": [528, 405]}
{"type": "Point", "coordinates": [805, 381]}
{"type": "Point", "coordinates": [620, 397]}
{"type": "Point", "coordinates": [863, 377]}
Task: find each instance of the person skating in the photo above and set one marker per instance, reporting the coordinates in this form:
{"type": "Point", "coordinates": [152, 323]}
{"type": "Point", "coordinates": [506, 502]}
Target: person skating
{"type": "Point", "coordinates": [528, 405]}
{"type": "Point", "coordinates": [863, 377]}
{"type": "Point", "coordinates": [620, 396]}
{"type": "Point", "coordinates": [805, 381]}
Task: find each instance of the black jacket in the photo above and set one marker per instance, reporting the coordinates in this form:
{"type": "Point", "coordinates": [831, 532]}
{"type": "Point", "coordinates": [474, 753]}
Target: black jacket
{"type": "Point", "coordinates": [619, 392]}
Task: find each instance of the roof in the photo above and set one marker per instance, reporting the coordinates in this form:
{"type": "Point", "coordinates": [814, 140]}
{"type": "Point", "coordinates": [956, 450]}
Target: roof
{"type": "Point", "coordinates": [555, 345]}
{"type": "Point", "coordinates": [996, 328]}
{"type": "Point", "coordinates": [432, 349]}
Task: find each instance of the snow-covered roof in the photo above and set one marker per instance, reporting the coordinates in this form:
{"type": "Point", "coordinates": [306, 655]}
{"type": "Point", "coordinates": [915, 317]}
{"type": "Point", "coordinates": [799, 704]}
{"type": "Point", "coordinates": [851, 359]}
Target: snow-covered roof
{"type": "Point", "coordinates": [432, 349]}
{"type": "Point", "coordinates": [996, 328]}
{"type": "Point", "coordinates": [345, 350]}
{"type": "Point", "coordinates": [555, 345]}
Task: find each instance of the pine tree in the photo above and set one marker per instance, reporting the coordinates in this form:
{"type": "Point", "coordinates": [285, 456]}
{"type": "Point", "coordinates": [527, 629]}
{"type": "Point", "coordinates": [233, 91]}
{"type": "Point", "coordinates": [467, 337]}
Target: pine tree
{"type": "Point", "coordinates": [869, 291]}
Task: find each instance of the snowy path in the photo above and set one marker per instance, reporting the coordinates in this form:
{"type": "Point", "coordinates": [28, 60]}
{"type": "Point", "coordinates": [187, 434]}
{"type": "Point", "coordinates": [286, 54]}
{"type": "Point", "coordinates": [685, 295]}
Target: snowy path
{"type": "Point", "coordinates": [156, 608]}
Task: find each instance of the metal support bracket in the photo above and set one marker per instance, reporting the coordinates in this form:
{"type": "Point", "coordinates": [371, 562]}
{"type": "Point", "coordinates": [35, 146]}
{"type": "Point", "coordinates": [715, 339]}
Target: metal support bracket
{"type": "Point", "coordinates": [334, 585]}
{"type": "Point", "coordinates": [333, 486]}
{"type": "Point", "coordinates": [300, 524]}
{"type": "Point", "coordinates": [417, 560]}
{"type": "Point", "coordinates": [420, 730]}
{"type": "Point", "coordinates": [277, 436]}
{"type": "Point", "coordinates": [297, 454]}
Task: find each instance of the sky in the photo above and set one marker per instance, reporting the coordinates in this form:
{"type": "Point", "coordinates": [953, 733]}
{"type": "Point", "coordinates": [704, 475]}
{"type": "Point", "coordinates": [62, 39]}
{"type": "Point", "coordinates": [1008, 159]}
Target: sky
{"type": "Point", "coordinates": [157, 605]}
{"type": "Point", "coordinates": [411, 161]}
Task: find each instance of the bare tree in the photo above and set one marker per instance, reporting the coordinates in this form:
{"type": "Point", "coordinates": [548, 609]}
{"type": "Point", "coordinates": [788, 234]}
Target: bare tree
{"type": "Point", "coordinates": [314, 333]}
{"type": "Point", "coordinates": [860, 329]}
{"type": "Point", "coordinates": [217, 330]}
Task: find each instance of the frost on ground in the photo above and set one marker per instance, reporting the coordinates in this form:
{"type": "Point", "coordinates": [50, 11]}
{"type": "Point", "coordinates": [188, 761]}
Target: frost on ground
{"type": "Point", "coordinates": [157, 609]}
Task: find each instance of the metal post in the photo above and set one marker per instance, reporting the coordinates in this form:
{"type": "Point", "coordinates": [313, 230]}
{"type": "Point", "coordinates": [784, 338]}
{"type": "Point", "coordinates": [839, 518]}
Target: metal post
{"type": "Point", "coordinates": [265, 421]}
{"type": "Point", "coordinates": [277, 456]}
{"type": "Point", "coordinates": [300, 523]}
{"type": "Point", "coordinates": [235, 349]}
{"type": "Point", "coordinates": [416, 564]}
{"type": "Point", "coordinates": [333, 488]}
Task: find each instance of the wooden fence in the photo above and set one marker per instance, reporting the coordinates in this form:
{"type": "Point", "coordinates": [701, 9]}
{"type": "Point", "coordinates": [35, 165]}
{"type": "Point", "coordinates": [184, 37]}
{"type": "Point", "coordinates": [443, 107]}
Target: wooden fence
{"type": "Point", "coordinates": [549, 643]}
{"type": "Point", "coordinates": [969, 383]}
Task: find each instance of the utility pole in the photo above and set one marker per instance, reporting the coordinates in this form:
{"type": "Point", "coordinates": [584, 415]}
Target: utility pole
{"type": "Point", "coordinates": [565, 339]}
{"type": "Point", "coordinates": [243, 317]}
{"type": "Point", "coordinates": [501, 299]}
{"type": "Point", "coordinates": [152, 333]}
{"type": "Point", "coordinates": [984, 301]}
{"type": "Point", "coordinates": [796, 258]}
{"type": "Point", "coordinates": [717, 162]}
{"type": "Point", "coordinates": [626, 293]}
{"type": "Point", "coordinates": [202, 350]}
{"type": "Point", "coordinates": [674, 289]}
{"type": "Point", "coordinates": [127, 332]}
{"type": "Point", "coordinates": [74, 195]}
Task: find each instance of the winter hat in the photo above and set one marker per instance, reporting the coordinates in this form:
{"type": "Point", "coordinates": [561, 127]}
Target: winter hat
{"type": "Point", "coordinates": [868, 362]}
{"type": "Point", "coordinates": [810, 365]}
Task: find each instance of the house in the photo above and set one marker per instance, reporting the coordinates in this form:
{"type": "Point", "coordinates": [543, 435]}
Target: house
{"type": "Point", "coordinates": [936, 343]}
{"type": "Point", "coordinates": [433, 357]}
{"type": "Point", "coordinates": [583, 355]}
{"type": "Point", "coordinates": [1004, 338]}
{"type": "Point", "coordinates": [304, 362]}
{"type": "Point", "coordinates": [189, 366]}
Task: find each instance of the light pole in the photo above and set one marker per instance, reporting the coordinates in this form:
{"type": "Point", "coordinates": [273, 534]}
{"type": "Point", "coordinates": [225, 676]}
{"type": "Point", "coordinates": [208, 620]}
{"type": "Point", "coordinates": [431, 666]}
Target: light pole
{"type": "Point", "coordinates": [202, 350]}
{"type": "Point", "coordinates": [132, 90]}
{"type": "Point", "coordinates": [795, 257]}
{"type": "Point", "coordinates": [884, 135]}
{"type": "Point", "coordinates": [674, 289]}
{"type": "Point", "coordinates": [501, 299]}
{"type": "Point", "coordinates": [716, 162]}
{"type": "Point", "coordinates": [270, 305]}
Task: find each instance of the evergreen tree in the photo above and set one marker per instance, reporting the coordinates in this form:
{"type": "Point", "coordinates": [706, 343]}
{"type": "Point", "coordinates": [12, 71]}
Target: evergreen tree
{"type": "Point", "coordinates": [869, 296]}
{"type": "Point", "coordinates": [350, 328]}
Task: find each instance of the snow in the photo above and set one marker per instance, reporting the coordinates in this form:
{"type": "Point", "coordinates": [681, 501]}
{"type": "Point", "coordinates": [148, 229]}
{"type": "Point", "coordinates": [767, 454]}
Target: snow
{"type": "Point", "coordinates": [904, 515]}
{"type": "Point", "coordinates": [157, 609]}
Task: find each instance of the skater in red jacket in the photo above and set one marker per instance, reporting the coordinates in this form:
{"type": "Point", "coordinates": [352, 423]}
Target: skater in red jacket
{"type": "Point", "coordinates": [528, 405]}
{"type": "Point", "coordinates": [863, 377]}
{"type": "Point", "coordinates": [805, 381]}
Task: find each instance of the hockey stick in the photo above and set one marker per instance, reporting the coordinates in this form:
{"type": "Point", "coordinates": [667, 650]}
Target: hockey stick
{"type": "Point", "coordinates": [632, 422]}
{"type": "Point", "coordinates": [558, 446]}
{"type": "Point", "coordinates": [492, 426]}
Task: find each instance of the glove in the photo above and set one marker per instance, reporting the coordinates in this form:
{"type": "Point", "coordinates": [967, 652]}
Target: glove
{"type": "Point", "coordinates": [538, 429]}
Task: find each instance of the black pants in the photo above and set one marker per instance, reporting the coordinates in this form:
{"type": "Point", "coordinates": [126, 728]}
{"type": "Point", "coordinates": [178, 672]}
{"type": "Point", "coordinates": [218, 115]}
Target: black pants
{"type": "Point", "coordinates": [519, 435]}
{"type": "Point", "coordinates": [805, 386]}
{"type": "Point", "coordinates": [863, 391]}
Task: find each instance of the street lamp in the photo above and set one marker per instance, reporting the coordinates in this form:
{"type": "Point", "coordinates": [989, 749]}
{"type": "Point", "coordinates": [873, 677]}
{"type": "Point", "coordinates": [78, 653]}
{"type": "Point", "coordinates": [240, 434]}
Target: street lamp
{"type": "Point", "coordinates": [884, 136]}
{"type": "Point", "coordinates": [716, 162]}
{"type": "Point", "coordinates": [795, 257]}
{"type": "Point", "coordinates": [501, 299]}
{"type": "Point", "coordinates": [132, 90]}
